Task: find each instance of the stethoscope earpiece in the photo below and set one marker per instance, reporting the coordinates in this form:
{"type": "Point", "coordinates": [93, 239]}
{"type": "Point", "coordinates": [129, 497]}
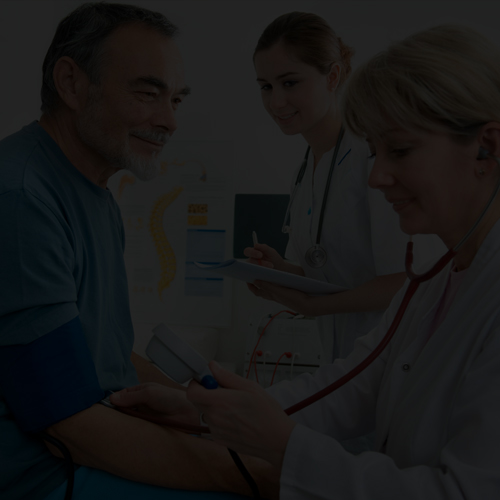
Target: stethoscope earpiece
{"type": "Point", "coordinates": [483, 153]}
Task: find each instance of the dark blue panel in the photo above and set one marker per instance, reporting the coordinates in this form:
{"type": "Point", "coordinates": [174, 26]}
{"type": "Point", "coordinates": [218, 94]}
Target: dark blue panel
{"type": "Point", "coordinates": [264, 214]}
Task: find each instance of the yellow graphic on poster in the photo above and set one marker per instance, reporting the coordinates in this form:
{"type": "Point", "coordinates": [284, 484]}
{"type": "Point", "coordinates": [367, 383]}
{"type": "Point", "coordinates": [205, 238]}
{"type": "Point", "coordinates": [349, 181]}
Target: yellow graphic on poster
{"type": "Point", "coordinates": [194, 211]}
{"type": "Point", "coordinates": [168, 263]}
{"type": "Point", "coordinates": [197, 208]}
{"type": "Point", "coordinates": [182, 216]}
{"type": "Point", "coordinates": [197, 220]}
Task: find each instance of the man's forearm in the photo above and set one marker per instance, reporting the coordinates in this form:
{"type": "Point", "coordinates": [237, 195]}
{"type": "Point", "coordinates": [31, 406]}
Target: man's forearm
{"type": "Point", "coordinates": [138, 450]}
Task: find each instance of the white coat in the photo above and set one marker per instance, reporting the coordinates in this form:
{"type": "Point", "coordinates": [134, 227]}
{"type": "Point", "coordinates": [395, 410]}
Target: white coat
{"type": "Point", "coordinates": [437, 423]}
{"type": "Point", "coordinates": [360, 234]}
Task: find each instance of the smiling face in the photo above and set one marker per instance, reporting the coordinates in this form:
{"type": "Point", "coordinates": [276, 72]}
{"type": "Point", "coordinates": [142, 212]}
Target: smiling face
{"type": "Point", "coordinates": [130, 115]}
{"type": "Point", "coordinates": [296, 95]}
{"type": "Point", "coordinates": [431, 180]}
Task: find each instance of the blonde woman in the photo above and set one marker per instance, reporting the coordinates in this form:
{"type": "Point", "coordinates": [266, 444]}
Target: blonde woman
{"type": "Point", "coordinates": [430, 108]}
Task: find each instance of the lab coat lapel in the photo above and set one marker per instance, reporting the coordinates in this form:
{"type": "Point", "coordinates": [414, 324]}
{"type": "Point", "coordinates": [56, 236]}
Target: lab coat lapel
{"type": "Point", "coordinates": [403, 349]}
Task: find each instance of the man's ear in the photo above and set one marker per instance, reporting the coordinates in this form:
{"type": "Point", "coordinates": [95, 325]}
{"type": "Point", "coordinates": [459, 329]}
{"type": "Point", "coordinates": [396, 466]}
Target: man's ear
{"type": "Point", "coordinates": [71, 83]}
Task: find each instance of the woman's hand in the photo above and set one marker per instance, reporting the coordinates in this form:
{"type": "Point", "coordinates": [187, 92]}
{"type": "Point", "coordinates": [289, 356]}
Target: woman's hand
{"type": "Point", "coordinates": [243, 416]}
{"type": "Point", "coordinates": [157, 399]}
{"type": "Point", "coordinates": [266, 256]}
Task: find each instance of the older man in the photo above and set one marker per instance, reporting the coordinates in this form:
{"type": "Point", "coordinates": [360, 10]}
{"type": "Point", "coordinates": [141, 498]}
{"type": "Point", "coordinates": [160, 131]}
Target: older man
{"type": "Point", "coordinates": [112, 81]}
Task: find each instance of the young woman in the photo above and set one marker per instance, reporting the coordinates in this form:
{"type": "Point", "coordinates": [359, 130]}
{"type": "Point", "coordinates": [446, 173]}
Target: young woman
{"type": "Point", "coordinates": [340, 230]}
{"type": "Point", "coordinates": [430, 108]}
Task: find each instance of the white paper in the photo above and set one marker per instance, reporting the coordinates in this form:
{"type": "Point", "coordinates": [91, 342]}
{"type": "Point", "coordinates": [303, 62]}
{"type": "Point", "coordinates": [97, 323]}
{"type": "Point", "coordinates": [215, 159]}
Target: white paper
{"type": "Point", "coordinates": [250, 272]}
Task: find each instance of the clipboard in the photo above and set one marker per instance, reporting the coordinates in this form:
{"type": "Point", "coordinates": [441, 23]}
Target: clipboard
{"type": "Point", "coordinates": [247, 272]}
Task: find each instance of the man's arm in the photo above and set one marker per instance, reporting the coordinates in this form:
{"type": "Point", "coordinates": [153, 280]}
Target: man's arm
{"type": "Point", "coordinates": [138, 450]}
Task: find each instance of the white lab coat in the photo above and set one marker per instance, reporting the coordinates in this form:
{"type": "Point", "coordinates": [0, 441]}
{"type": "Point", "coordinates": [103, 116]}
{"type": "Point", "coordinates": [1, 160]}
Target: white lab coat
{"type": "Point", "coordinates": [437, 424]}
{"type": "Point", "coordinates": [360, 234]}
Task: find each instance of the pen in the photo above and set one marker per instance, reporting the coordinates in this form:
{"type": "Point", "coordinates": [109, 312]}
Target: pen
{"type": "Point", "coordinates": [256, 242]}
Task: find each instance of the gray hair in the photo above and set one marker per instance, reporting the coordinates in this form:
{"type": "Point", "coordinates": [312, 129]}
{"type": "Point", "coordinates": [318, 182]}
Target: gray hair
{"type": "Point", "coordinates": [81, 35]}
{"type": "Point", "coordinates": [444, 79]}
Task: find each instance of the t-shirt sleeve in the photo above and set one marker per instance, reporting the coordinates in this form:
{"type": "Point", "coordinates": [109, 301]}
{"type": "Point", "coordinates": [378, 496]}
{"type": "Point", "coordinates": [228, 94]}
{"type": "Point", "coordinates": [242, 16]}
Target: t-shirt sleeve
{"type": "Point", "coordinates": [38, 292]}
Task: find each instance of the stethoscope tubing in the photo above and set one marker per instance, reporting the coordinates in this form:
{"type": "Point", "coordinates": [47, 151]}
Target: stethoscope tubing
{"type": "Point", "coordinates": [415, 281]}
{"type": "Point", "coordinates": [327, 185]}
{"type": "Point", "coordinates": [298, 181]}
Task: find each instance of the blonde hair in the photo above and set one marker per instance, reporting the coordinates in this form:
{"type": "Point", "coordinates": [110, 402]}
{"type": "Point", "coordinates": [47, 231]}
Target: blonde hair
{"type": "Point", "coordinates": [444, 79]}
{"type": "Point", "coordinates": [312, 40]}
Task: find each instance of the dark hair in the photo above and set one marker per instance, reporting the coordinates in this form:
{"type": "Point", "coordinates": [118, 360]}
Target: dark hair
{"type": "Point", "coordinates": [81, 35]}
{"type": "Point", "coordinates": [313, 40]}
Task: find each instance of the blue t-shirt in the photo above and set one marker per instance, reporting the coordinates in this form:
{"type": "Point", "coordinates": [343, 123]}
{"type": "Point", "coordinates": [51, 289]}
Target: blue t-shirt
{"type": "Point", "coordinates": [61, 263]}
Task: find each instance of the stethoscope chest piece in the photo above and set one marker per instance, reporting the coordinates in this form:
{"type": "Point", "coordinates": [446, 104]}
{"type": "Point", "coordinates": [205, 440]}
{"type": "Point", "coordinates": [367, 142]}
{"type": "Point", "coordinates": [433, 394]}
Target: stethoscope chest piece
{"type": "Point", "coordinates": [316, 256]}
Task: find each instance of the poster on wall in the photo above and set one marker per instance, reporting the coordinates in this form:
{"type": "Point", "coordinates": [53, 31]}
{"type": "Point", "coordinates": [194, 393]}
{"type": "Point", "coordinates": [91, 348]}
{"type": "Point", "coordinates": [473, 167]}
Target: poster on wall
{"type": "Point", "coordinates": [182, 216]}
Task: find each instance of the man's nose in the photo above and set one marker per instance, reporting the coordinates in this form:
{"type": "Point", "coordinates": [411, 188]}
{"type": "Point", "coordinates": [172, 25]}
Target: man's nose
{"type": "Point", "coordinates": [165, 117]}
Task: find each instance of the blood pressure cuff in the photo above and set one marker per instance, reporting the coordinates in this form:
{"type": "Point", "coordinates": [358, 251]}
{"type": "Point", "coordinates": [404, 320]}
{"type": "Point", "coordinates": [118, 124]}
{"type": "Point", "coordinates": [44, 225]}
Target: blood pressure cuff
{"type": "Point", "coordinates": [49, 379]}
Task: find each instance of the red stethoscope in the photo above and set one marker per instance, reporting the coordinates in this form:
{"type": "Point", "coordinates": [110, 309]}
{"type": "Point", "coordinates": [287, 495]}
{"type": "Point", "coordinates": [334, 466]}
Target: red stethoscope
{"type": "Point", "coordinates": [415, 280]}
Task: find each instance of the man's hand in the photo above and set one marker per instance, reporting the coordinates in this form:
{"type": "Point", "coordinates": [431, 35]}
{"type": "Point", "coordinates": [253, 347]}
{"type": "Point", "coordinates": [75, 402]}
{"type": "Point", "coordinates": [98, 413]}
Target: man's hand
{"type": "Point", "coordinates": [157, 399]}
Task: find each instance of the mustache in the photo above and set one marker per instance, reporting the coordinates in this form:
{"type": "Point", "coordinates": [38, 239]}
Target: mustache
{"type": "Point", "coordinates": [151, 135]}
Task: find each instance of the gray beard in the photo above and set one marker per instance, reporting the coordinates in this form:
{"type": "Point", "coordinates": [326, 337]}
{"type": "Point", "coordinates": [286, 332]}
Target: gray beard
{"type": "Point", "coordinates": [115, 151]}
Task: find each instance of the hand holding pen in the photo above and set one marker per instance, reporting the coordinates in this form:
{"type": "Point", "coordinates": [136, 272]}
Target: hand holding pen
{"type": "Point", "coordinates": [255, 243]}
{"type": "Point", "coordinates": [263, 255]}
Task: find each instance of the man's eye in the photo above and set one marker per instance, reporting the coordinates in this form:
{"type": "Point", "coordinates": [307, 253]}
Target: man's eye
{"type": "Point", "coordinates": [290, 83]}
{"type": "Point", "coordinates": [265, 87]}
{"type": "Point", "coordinates": [151, 95]}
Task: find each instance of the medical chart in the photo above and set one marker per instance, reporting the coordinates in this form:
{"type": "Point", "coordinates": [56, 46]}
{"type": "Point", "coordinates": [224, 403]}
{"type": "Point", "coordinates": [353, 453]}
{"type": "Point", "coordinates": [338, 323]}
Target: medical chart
{"type": "Point", "coordinates": [182, 216]}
